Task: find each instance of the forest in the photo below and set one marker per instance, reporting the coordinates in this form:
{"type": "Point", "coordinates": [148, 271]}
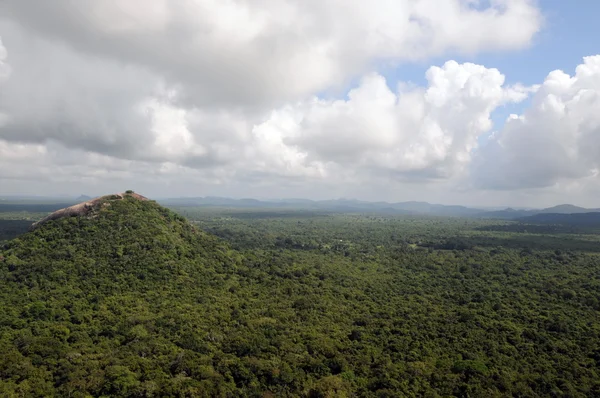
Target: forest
{"type": "Point", "coordinates": [137, 300]}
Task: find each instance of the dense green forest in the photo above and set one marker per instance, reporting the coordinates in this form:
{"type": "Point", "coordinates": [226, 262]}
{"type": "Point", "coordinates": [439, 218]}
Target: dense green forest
{"type": "Point", "coordinates": [134, 300]}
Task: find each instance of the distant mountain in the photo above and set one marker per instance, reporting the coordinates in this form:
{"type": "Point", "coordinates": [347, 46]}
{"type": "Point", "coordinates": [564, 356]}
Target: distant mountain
{"type": "Point", "coordinates": [513, 214]}
{"type": "Point", "coordinates": [567, 209]}
{"type": "Point", "coordinates": [415, 207]}
{"type": "Point", "coordinates": [358, 206]}
{"type": "Point", "coordinates": [436, 209]}
{"type": "Point", "coordinates": [507, 214]}
{"type": "Point", "coordinates": [335, 205]}
{"type": "Point", "coordinates": [214, 201]}
{"type": "Point", "coordinates": [83, 198]}
{"type": "Point", "coordinates": [575, 219]}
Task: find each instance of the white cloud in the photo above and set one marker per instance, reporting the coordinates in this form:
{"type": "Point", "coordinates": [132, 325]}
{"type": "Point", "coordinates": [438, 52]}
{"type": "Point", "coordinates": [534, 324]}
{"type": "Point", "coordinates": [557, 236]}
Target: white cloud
{"type": "Point", "coordinates": [262, 52]}
{"type": "Point", "coordinates": [555, 140]}
{"type": "Point", "coordinates": [417, 133]}
{"type": "Point", "coordinates": [52, 163]}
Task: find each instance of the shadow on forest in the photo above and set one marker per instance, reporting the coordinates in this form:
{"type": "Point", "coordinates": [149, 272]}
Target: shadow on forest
{"type": "Point", "coordinates": [522, 228]}
{"type": "Point", "coordinates": [10, 229]}
{"type": "Point", "coordinates": [520, 241]}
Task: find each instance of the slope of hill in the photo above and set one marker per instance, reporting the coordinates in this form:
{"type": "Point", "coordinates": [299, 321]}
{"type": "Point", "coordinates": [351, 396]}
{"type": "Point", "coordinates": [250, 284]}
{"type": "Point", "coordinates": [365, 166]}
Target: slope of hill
{"type": "Point", "coordinates": [85, 294]}
{"type": "Point", "coordinates": [123, 235]}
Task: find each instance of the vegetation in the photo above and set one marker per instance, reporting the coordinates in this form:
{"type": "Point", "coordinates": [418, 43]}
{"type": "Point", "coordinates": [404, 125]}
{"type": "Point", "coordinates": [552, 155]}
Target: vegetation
{"type": "Point", "coordinates": [133, 300]}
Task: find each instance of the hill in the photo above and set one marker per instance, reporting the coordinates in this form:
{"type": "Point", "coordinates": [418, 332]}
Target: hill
{"type": "Point", "coordinates": [89, 208]}
{"type": "Point", "coordinates": [591, 219]}
{"type": "Point", "coordinates": [83, 198]}
{"type": "Point", "coordinates": [87, 292]}
{"type": "Point", "coordinates": [122, 234]}
{"type": "Point", "coordinates": [566, 209]}
{"type": "Point", "coordinates": [512, 214]}
{"type": "Point", "coordinates": [507, 214]}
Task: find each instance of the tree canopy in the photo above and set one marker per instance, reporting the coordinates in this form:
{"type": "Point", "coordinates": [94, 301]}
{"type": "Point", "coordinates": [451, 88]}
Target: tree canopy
{"type": "Point", "coordinates": [133, 300]}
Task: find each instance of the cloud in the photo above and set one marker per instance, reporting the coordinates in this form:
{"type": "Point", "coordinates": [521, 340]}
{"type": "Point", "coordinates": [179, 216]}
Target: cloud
{"type": "Point", "coordinates": [4, 67]}
{"type": "Point", "coordinates": [231, 93]}
{"type": "Point", "coordinates": [127, 81]}
{"type": "Point", "coordinates": [555, 140]}
{"type": "Point", "coordinates": [82, 102]}
{"type": "Point", "coordinates": [56, 95]}
{"type": "Point", "coordinates": [243, 52]}
{"type": "Point", "coordinates": [52, 163]}
{"type": "Point", "coordinates": [411, 134]}
{"type": "Point", "coordinates": [416, 133]}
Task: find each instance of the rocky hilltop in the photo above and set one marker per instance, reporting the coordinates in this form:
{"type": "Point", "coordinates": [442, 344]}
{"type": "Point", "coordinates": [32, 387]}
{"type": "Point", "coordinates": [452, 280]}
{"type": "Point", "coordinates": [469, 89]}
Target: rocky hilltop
{"type": "Point", "coordinates": [87, 208]}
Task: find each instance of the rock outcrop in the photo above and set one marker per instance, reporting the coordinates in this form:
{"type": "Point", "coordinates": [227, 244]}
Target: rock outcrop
{"type": "Point", "coordinates": [86, 208]}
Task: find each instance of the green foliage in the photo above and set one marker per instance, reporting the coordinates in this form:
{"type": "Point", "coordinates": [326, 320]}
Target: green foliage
{"type": "Point", "coordinates": [133, 300]}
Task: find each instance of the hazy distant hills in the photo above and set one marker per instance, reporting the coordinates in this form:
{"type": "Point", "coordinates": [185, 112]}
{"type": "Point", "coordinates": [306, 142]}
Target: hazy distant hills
{"type": "Point", "coordinates": [574, 219]}
{"type": "Point", "coordinates": [40, 204]}
{"type": "Point", "coordinates": [507, 214]}
{"type": "Point", "coordinates": [337, 205]}
{"type": "Point", "coordinates": [83, 198]}
{"type": "Point", "coordinates": [351, 205]}
{"type": "Point", "coordinates": [567, 209]}
{"type": "Point", "coordinates": [512, 214]}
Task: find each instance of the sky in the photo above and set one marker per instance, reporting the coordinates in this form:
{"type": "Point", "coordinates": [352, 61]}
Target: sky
{"type": "Point", "coordinates": [473, 102]}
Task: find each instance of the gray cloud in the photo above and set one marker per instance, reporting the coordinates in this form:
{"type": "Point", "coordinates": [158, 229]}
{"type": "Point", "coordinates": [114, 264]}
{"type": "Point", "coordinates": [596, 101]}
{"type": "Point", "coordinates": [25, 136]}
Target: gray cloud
{"type": "Point", "coordinates": [82, 102]}
{"type": "Point", "coordinates": [247, 52]}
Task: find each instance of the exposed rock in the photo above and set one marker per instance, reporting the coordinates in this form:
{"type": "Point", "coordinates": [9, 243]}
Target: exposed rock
{"type": "Point", "coordinates": [86, 208]}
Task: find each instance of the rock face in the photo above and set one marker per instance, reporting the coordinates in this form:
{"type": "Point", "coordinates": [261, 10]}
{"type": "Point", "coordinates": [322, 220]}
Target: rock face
{"type": "Point", "coordinates": [86, 208]}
